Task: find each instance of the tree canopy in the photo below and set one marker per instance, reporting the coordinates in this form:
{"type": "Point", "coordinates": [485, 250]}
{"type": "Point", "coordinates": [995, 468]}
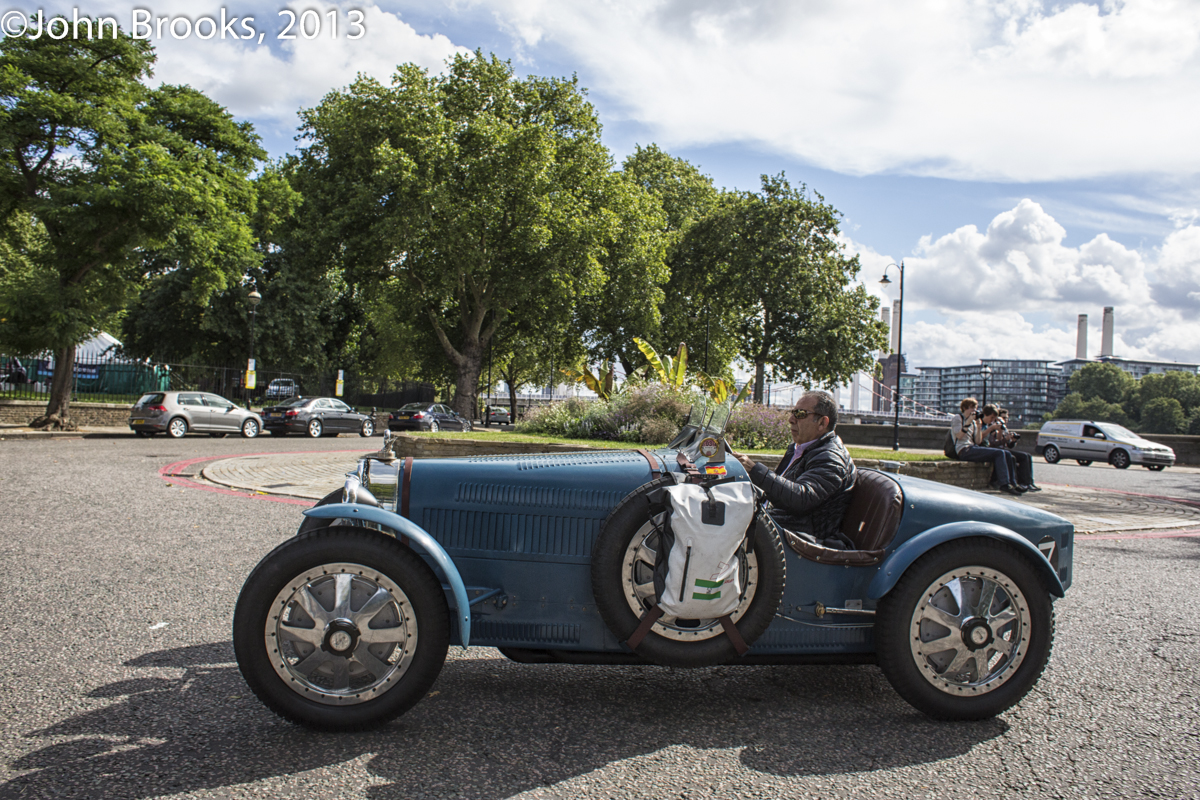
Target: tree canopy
{"type": "Point", "coordinates": [107, 169]}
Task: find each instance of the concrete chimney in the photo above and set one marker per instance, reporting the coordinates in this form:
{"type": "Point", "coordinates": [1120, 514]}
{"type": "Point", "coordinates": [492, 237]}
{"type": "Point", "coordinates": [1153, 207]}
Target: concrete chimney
{"type": "Point", "coordinates": [1081, 339]}
{"type": "Point", "coordinates": [885, 316]}
{"type": "Point", "coordinates": [1106, 333]}
{"type": "Point", "coordinates": [897, 318]}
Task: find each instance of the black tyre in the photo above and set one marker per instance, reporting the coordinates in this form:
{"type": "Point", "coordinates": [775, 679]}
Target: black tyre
{"type": "Point", "coordinates": [315, 429]}
{"type": "Point", "coordinates": [1083, 462]}
{"type": "Point", "coordinates": [367, 429]}
{"type": "Point", "coordinates": [1051, 454]}
{"type": "Point", "coordinates": [177, 428]}
{"type": "Point", "coordinates": [967, 631]}
{"type": "Point", "coordinates": [250, 429]}
{"type": "Point", "coordinates": [1119, 459]}
{"type": "Point", "coordinates": [311, 524]}
{"type": "Point", "coordinates": [622, 583]}
{"type": "Point", "coordinates": [342, 629]}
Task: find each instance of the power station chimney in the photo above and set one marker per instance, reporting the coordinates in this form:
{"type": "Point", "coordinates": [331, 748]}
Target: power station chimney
{"type": "Point", "coordinates": [885, 316]}
{"type": "Point", "coordinates": [896, 318]}
{"type": "Point", "coordinates": [1081, 340]}
{"type": "Point", "coordinates": [1106, 333]}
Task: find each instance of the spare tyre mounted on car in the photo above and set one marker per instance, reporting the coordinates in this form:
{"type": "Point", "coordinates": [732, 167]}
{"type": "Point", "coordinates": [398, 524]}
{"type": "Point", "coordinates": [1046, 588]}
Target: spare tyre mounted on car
{"type": "Point", "coordinates": [641, 560]}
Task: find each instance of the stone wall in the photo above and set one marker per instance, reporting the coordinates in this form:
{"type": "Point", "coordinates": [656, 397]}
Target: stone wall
{"type": "Point", "coordinates": [96, 415]}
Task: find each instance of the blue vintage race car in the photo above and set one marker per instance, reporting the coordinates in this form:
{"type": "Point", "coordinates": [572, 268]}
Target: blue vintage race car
{"type": "Point", "coordinates": [558, 559]}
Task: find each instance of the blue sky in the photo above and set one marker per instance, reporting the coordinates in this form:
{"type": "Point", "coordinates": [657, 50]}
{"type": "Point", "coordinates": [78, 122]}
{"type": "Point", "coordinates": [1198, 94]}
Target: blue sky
{"type": "Point", "coordinates": [1029, 161]}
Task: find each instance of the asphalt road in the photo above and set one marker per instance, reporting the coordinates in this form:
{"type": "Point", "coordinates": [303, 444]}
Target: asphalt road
{"type": "Point", "coordinates": [117, 681]}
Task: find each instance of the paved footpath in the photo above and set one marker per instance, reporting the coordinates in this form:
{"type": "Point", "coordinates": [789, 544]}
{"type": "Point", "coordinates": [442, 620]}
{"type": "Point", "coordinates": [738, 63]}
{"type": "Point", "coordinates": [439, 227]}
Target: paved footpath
{"type": "Point", "coordinates": [1093, 511]}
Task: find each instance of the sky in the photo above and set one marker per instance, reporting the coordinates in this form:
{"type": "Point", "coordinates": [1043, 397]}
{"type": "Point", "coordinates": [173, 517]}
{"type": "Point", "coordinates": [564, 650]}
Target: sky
{"type": "Point", "coordinates": [1026, 161]}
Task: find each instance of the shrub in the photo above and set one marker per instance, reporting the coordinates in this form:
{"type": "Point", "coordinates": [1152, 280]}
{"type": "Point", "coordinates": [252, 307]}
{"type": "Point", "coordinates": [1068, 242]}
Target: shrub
{"type": "Point", "coordinates": [658, 430]}
{"type": "Point", "coordinates": [651, 414]}
{"type": "Point", "coordinates": [757, 427]}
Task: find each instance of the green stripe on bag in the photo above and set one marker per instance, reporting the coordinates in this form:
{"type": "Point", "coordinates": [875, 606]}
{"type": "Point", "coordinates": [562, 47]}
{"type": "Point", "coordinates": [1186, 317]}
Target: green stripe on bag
{"type": "Point", "coordinates": [698, 596]}
{"type": "Point", "coordinates": [703, 584]}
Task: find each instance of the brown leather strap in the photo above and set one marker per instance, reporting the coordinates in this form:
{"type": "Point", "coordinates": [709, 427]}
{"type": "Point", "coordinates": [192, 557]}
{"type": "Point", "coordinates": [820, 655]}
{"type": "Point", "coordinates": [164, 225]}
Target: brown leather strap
{"type": "Point", "coordinates": [655, 472]}
{"type": "Point", "coordinates": [405, 486]}
{"type": "Point", "coordinates": [686, 464]}
{"type": "Point", "coordinates": [648, 619]}
{"type": "Point", "coordinates": [735, 636]}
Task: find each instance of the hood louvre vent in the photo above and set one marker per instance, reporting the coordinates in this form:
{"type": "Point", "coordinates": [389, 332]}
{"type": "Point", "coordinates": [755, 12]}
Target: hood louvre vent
{"type": "Point", "coordinates": [547, 460]}
{"type": "Point", "coordinates": [541, 496]}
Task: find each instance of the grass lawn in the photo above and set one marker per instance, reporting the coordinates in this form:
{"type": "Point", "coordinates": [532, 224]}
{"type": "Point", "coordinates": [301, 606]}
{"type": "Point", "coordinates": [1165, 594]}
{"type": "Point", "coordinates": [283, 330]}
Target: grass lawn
{"type": "Point", "coordinates": [507, 436]}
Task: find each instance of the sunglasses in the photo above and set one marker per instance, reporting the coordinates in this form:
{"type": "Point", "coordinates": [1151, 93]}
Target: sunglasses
{"type": "Point", "coordinates": [803, 413]}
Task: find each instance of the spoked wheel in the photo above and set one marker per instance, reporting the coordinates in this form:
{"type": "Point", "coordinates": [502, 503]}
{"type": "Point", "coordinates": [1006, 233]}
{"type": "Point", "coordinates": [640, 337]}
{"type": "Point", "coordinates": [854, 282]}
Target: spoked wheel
{"type": "Point", "coordinates": [314, 429]}
{"type": "Point", "coordinates": [967, 631]}
{"type": "Point", "coordinates": [1119, 459]}
{"type": "Point", "coordinates": [433, 426]}
{"type": "Point", "coordinates": [1051, 454]}
{"type": "Point", "coordinates": [367, 429]}
{"type": "Point", "coordinates": [623, 562]}
{"type": "Point", "coordinates": [341, 629]}
{"type": "Point", "coordinates": [177, 428]}
{"type": "Point", "coordinates": [250, 429]}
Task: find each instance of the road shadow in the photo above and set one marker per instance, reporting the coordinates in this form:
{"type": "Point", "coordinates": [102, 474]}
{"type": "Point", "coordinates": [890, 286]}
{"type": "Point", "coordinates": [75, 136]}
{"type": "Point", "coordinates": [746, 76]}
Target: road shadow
{"type": "Point", "coordinates": [489, 729]}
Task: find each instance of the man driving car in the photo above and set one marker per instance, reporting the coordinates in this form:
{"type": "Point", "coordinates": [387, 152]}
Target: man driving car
{"type": "Point", "coordinates": [810, 487]}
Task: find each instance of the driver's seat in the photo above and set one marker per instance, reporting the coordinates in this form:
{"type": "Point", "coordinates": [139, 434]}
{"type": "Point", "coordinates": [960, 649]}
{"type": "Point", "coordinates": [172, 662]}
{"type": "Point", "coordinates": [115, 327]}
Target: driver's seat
{"type": "Point", "coordinates": [871, 522]}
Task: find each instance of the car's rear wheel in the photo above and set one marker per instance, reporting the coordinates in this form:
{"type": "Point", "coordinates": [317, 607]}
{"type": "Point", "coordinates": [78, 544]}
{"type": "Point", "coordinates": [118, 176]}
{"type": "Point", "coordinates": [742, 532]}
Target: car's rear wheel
{"type": "Point", "coordinates": [250, 429]}
{"type": "Point", "coordinates": [433, 426]}
{"type": "Point", "coordinates": [1051, 454]}
{"type": "Point", "coordinates": [466, 426]}
{"type": "Point", "coordinates": [1083, 462]}
{"type": "Point", "coordinates": [1119, 459]}
{"type": "Point", "coordinates": [177, 428]}
{"type": "Point", "coordinates": [367, 429]}
{"type": "Point", "coordinates": [967, 630]}
{"type": "Point", "coordinates": [341, 629]}
{"type": "Point", "coordinates": [315, 429]}
{"type": "Point", "coordinates": [623, 561]}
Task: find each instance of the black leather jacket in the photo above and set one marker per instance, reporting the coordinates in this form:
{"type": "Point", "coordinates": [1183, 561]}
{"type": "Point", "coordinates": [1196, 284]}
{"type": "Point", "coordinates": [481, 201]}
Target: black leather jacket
{"type": "Point", "coordinates": [814, 492]}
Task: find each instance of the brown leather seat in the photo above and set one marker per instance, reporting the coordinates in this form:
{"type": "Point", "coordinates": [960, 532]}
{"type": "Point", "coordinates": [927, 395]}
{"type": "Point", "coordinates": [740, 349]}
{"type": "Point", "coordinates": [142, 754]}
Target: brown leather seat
{"type": "Point", "coordinates": [876, 504]}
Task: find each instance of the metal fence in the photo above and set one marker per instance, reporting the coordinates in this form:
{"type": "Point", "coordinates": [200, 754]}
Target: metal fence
{"type": "Point", "coordinates": [114, 380]}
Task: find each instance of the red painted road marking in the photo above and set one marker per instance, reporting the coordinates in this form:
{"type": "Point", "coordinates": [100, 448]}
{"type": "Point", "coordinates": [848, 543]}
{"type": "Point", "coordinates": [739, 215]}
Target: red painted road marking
{"type": "Point", "coordinates": [166, 474]}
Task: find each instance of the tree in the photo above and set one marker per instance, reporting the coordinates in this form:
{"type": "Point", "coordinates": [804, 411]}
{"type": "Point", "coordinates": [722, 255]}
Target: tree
{"type": "Point", "coordinates": [1178, 385]}
{"type": "Point", "coordinates": [774, 259]}
{"type": "Point", "coordinates": [109, 169]}
{"type": "Point", "coordinates": [1097, 379]}
{"type": "Point", "coordinates": [1163, 415]}
{"type": "Point", "coordinates": [1074, 406]}
{"type": "Point", "coordinates": [469, 197]}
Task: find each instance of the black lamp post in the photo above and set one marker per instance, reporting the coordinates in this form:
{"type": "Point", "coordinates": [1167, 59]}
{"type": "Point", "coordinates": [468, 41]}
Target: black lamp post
{"type": "Point", "coordinates": [985, 372]}
{"type": "Point", "coordinates": [254, 298]}
{"type": "Point", "coordinates": [899, 350]}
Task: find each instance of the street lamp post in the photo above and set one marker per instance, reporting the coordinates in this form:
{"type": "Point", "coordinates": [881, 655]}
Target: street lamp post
{"type": "Point", "coordinates": [899, 350]}
{"type": "Point", "coordinates": [985, 372]}
{"type": "Point", "coordinates": [254, 298]}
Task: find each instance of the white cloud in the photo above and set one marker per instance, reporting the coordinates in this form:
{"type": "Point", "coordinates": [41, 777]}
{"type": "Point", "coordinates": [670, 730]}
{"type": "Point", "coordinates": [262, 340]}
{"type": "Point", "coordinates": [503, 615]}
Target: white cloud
{"type": "Point", "coordinates": [974, 294]}
{"type": "Point", "coordinates": [1015, 90]}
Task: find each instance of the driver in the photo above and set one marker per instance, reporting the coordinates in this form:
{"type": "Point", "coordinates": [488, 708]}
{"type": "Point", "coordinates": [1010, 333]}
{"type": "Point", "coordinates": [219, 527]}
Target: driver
{"type": "Point", "coordinates": [810, 487]}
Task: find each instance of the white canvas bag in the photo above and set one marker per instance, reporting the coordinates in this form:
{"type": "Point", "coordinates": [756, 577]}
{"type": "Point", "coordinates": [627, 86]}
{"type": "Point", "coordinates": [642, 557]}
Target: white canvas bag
{"type": "Point", "coordinates": [702, 568]}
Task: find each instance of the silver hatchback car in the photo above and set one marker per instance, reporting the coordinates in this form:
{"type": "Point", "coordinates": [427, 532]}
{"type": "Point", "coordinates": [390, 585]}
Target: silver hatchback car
{"type": "Point", "coordinates": [176, 413]}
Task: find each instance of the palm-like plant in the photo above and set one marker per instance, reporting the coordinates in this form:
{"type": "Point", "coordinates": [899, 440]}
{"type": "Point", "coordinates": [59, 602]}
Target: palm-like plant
{"type": "Point", "coordinates": [601, 381]}
{"type": "Point", "coordinates": [671, 371]}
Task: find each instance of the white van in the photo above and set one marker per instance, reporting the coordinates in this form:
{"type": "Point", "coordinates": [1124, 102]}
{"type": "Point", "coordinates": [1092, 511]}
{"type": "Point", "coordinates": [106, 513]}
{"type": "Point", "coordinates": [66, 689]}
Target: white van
{"type": "Point", "coordinates": [1087, 441]}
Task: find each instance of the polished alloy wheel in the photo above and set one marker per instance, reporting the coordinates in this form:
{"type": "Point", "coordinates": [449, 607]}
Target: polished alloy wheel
{"type": "Point", "coordinates": [250, 429]}
{"type": "Point", "coordinates": [177, 428]}
{"type": "Point", "coordinates": [1050, 454]}
{"type": "Point", "coordinates": [368, 428]}
{"type": "Point", "coordinates": [314, 429]}
{"type": "Point", "coordinates": [970, 631]}
{"type": "Point", "coordinates": [637, 578]}
{"type": "Point", "coordinates": [341, 634]}
{"type": "Point", "coordinates": [433, 427]}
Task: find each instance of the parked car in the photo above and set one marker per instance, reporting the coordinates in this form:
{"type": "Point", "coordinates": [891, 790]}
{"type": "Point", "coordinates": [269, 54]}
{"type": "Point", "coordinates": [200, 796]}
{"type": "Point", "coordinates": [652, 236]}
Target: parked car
{"type": "Point", "coordinates": [498, 415]}
{"type": "Point", "coordinates": [427, 417]}
{"type": "Point", "coordinates": [555, 559]}
{"type": "Point", "coordinates": [1087, 442]}
{"type": "Point", "coordinates": [177, 413]}
{"type": "Point", "coordinates": [316, 416]}
{"type": "Point", "coordinates": [280, 389]}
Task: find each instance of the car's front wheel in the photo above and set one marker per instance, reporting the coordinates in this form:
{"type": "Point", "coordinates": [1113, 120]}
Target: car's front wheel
{"type": "Point", "coordinates": [177, 428]}
{"type": "Point", "coordinates": [341, 629]}
{"type": "Point", "coordinates": [367, 429]}
{"type": "Point", "coordinates": [250, 429]}
{"type": "Point", "coordinates": [314, 428]}
{"type": "Point", "coordinates": [1051, 454]}
{"type": "Point", "coordinates": [1119, 459]}
{"type": "Point", "coordinates": [967, 630]}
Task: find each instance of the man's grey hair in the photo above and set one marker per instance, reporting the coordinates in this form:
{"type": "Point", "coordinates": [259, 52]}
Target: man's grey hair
{"type": "Point", "coordinates": [824, 405]}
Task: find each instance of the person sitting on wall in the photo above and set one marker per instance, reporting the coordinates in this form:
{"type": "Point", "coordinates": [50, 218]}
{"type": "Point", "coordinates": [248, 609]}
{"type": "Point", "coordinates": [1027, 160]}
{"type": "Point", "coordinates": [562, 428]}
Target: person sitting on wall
{"type": "Point", "coordinates": [969, 437]}
{"type": "Point", "coordinates": [810, 487]}
{"type": "Point", "coordinates": [1008, 440]}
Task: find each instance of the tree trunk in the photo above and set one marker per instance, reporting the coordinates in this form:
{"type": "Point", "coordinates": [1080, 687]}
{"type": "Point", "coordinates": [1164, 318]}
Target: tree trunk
{"type": "Point", "coordinates": [466, 388]}
{"type": "Point", "coordinates": [58, 408]}
{"type": "Point", "coordinates": [759, 376]}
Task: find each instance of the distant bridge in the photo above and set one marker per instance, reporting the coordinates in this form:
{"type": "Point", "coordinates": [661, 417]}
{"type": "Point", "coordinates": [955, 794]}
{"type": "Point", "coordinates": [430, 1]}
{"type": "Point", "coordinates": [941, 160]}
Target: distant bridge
{"type": "Point", "coordinates": [888, 417]}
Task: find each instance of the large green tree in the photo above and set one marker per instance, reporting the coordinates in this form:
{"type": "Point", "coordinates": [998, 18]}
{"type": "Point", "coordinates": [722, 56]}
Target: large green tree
{"type": "Point", "coordinates": [109, 169]}
{"type": "Point", "coordinates": [470, 197]}
{"type": "Point", "coordinates": [773, 260]}
{"type": "Point", "coordinates": [1098, 379]}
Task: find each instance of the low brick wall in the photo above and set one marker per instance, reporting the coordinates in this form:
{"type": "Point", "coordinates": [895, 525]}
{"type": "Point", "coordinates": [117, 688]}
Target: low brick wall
{"type": "Point", "coordinates": [98, 415]}
{"type": "Point", "coordinates": [955, 473]}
